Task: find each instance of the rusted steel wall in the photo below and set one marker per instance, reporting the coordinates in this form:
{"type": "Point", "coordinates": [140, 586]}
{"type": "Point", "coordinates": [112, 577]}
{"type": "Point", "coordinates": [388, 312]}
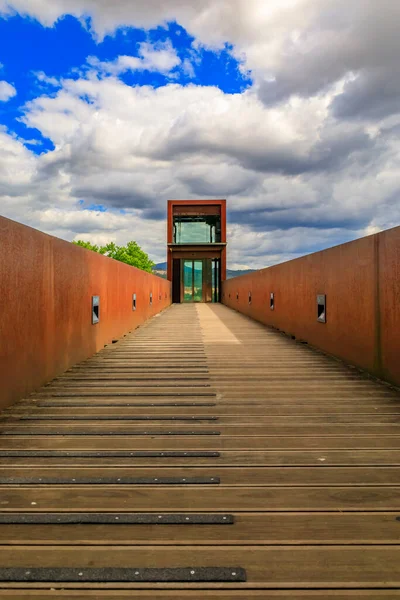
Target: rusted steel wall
{"type": "Point", "coordinates": [46, 289]}
{"type": "Point", "coordinates": [388, 329]}
{"type": "Point", "coordinates": [361, 281]}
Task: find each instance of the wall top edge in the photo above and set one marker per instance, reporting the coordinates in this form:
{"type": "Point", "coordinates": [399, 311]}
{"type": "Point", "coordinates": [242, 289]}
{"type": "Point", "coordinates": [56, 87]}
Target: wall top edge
{"type": "Point", "coordinates": [6, 223]}
{"type": "Point", "coordinates": [322, 252]}
{"type": "Point", "coordinates": [197, 202]}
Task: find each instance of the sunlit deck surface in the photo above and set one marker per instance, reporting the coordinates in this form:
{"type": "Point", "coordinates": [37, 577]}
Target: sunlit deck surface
{"type": "Point", "coordinates": [294, 485]}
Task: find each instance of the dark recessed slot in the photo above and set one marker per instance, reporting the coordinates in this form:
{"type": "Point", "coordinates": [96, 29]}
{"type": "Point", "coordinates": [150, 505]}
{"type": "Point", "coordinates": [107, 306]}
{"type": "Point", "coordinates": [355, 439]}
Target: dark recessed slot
{"type": "Point", "coordinates": [249, 297]}
{"type": "Point", "coordinates": [321, 308]}
{"type": "Point", "coordinates": [272, 301]}
{"type": "Point", "coordinates": [134, 302]}
{"type": "Point", "coordinates": [237, 296]}
{"type": "Point", "coordinates": [151, 299]}
{"type": "Point", "coordinates": [95, 309]}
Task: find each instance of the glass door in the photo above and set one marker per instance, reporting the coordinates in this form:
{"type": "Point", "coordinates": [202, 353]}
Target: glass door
{"type": "Point", "coordinates": [187, 280]}
{"type": "Point", "coordinates": [215, 279]}
{"type": "Point", "coordinates": [192, 278]}
{"type": "Point", "coordinates": [197, 281]}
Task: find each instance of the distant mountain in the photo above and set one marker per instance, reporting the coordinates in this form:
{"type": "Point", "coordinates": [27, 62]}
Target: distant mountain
{"type": "Point", "coordinates": [230, 273]}
{"type": "Point", "coordinates": [161, 270]}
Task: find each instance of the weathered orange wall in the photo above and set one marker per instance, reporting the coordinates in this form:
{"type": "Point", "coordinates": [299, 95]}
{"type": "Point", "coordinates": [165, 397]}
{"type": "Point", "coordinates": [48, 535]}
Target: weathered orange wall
{"type": "Point", "coordinates": [361, 280]}
{"type": "Point", "coordinates": [46, 289]}
{"type": "Point", "coordinates": [389, 301]}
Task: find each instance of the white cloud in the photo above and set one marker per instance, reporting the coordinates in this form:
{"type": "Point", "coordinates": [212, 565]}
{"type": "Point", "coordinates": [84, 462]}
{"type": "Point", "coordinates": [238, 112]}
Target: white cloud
{"type": "Point", "coordinates": [161, 58]}
{"type": "Point", "coordinates": [292, 46]}
{"type": "Point", "coordinates": [7, 91]}
{"type": "Point", "coordinates": [188, 68]}
{"type": "Point", "coordinates": [43, 78]}
{"type": "Point", "coordinates": [131, 149]}
{"type": "Point", "coordinates": [308, 157]}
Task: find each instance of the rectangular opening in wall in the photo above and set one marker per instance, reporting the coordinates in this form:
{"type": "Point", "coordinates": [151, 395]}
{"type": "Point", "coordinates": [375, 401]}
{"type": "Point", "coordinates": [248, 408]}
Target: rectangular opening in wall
{"type": "Point", "coordinates": [321, 308]}
{"type": "Point", "coordinates": [95, 309]}
{"type": "Point", "coordinates": [151, 298]}
{"type": "Point", "coordinates": [272, 301]}
{"type": "Point", "coordinates": [134, 302]}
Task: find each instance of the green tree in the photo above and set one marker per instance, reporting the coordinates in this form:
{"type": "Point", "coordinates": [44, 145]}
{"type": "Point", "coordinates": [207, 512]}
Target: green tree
{"type": "Point", "coordinates": [131, 254]}
{"type": "Point", "coordinates": [87, 245]}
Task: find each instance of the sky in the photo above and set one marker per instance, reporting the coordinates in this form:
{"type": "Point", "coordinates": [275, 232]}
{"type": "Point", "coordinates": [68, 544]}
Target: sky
{"type": "Point", "coordinates": [290, 110]}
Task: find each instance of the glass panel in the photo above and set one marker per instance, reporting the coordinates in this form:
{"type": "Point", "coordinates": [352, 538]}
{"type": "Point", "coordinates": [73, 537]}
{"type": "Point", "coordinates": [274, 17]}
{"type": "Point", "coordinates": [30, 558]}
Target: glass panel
{"type": "Point", "coordinates": [188, 281]}
{"type": "Point", "coordinates": [198, 281]}
{"type": "Point", "coordinates": [215, 280]}
{"type": "Point", "coordinates": [207, 280]}
{"type": "Point", "coordinates": [197, 230]}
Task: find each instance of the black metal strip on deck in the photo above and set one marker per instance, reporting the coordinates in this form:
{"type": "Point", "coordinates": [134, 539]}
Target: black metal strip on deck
{"type": "Point", "coordinates": [118, 404]}
{"type": "Point", "coordinates": [126, 575]}
{"type": "Point", "coordinates": [106, 454]}
{"type": "Point", "coordinates": [115, 418]}
{"type": "Point", "coordinates": [145, 369]}
{"type": "Point", "coordinates": [114, 519]}
{"type": "Point", "coordinates": [121, 384]}
{"type": "Point", "coordinates": [130, 394]}
{"type": "Point", "coordinates": [109, 480]}
{"type": "Point", "coordinates": [116, 384]}
{"type": "Point", "coordinates": [124, 377]}
{"type": "Point", "coordinates": [91, 432]}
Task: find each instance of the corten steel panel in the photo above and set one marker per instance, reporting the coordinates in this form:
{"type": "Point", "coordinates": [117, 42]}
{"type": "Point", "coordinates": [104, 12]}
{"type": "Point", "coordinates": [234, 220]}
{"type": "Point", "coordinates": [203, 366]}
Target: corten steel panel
{"type": "Point", "coordinates": [196, 254]}
{"type": "Point", "coordinates": [203, 210]}
{"type": "Point", "coordinates": [46, 286]}
{"type": "Point", "coordinates": [388, 330]}
{"type": "Point", "coordinates": [221, 204]}
{"type": "Point", "coordinates": [363, 300]}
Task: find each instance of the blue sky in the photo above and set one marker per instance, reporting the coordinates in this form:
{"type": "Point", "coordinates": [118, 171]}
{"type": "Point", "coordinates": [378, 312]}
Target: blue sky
{"type": "Point", "coordinates": [290, 111]}
{"type": "Point", "coordinates": [28, 48]}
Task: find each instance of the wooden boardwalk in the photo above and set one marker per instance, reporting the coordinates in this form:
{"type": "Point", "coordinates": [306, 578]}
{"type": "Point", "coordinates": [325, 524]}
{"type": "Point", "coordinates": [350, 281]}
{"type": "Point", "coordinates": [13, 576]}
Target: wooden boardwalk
{"type": "Point", "coordinates": [202, 456]}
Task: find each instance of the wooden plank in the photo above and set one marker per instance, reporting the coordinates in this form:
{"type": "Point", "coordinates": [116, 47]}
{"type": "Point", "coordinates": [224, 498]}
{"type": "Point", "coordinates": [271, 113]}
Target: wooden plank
{"type": "Point", "coordinates": [257, 430]}
{"type": "Point", "coordinates": [227, 459]}
{"type": "Point", "coordinates": [202, 499]}
{"type": "Point", "coordinates": [318, 475]}
{"type": "Point", "coordinates": [227, 411]}
{"type": "Point", "coordinates": [249, 529]}
{"type": "Point", "coordinates": [272, 567]}
{"type": "Point", "coordinates": [179, 415]}
{"type": "Point", "coordinates": [373, 594]}
{"type": "Point", "coordinates": [217, 443]}
{"type": "Point", "coordinates": [291, 400]}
